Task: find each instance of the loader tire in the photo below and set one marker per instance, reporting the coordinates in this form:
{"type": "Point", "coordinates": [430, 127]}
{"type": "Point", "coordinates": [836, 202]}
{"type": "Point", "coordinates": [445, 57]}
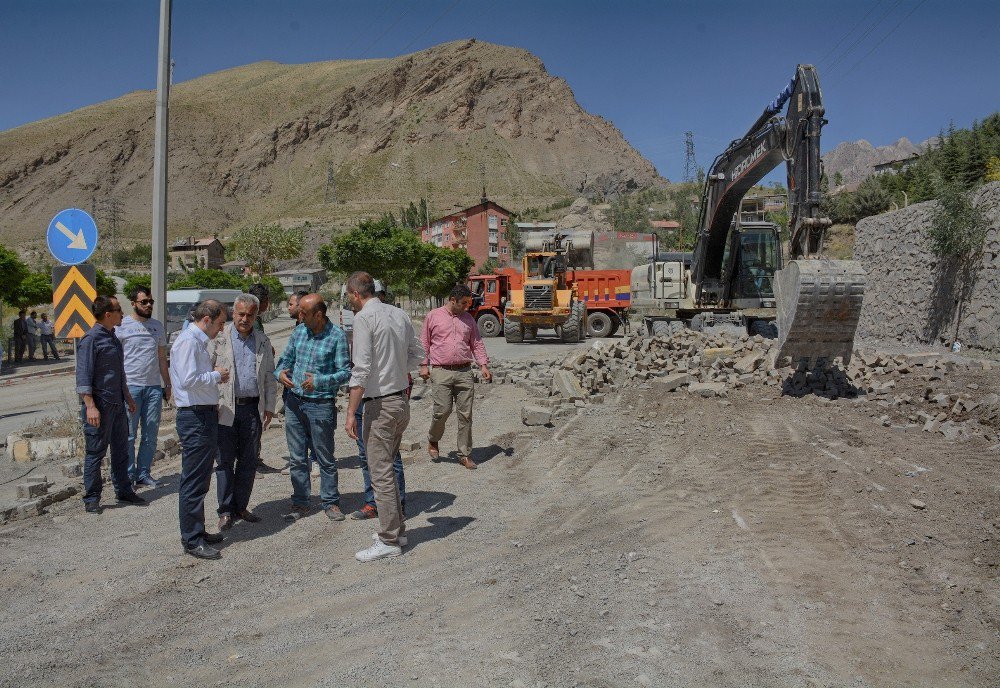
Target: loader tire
{"type": "Point", "coordinates": [661, 328]}
{"type": "Point", "coordinates": [512, 331]}
{"type": "Point", "coordinates": [573, 328]}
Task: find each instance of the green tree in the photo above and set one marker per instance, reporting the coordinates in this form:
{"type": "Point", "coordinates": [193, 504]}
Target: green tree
{"type": "Point", "coordinates": [514, 239]}
{"type": "Point", "coordinates": [33, 290]}
{"type": "Point", "coordinates": [838, 180]}
{"type": "Point", "coordinates": [12, 273]}
{"type": "Point", "coordinates": [133, 281]}
{"type": "Point", "coordinates": [105, 285]}
{"type": "Point", "coordinates": [262, 244]}
{"type": "Point", "coordinates": [870, 199]}
{"type": "Point", "coordinates": [489, 267]}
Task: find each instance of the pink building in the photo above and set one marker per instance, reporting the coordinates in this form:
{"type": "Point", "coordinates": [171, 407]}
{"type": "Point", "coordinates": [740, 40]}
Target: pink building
{"type": "Point", "coordinates": [481, 230]}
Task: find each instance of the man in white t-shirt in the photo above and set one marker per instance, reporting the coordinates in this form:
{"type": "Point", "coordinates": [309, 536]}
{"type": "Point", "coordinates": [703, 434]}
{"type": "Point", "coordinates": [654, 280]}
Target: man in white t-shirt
{"type": "Point", "coordinates": [145, 346]}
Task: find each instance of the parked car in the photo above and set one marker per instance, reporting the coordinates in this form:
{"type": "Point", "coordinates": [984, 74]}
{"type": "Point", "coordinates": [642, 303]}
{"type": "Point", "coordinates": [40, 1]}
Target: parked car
{"type": "Point", "coordinates": [181, 303]}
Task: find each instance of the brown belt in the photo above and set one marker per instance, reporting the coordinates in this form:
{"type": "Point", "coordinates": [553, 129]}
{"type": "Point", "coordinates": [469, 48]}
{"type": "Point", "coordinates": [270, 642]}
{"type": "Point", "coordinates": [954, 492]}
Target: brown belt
{"type": "Point", "coordinates": [453, 366]}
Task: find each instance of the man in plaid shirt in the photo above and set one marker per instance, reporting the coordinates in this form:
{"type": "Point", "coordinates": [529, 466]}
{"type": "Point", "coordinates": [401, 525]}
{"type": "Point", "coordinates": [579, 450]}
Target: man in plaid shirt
{"type": "Point", "coordinates": [315, 363]}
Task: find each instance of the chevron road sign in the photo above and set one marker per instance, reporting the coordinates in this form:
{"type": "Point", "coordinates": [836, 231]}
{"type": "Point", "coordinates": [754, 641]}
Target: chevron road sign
{"type": "Point", "coordinates": [74, 288]}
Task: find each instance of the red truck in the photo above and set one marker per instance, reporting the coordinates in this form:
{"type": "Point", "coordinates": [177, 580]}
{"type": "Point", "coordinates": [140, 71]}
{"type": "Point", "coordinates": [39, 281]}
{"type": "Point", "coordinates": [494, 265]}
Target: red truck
{"type": "Point", "coordinates": [605, 293]}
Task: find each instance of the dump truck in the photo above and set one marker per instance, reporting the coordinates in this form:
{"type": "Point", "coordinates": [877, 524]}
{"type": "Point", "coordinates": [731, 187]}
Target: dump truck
{"type": "Point", "coordinates": [605, 295]}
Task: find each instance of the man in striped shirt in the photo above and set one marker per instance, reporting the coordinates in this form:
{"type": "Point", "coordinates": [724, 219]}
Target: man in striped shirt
{"type": "Point", "coordinates": [315, 363]}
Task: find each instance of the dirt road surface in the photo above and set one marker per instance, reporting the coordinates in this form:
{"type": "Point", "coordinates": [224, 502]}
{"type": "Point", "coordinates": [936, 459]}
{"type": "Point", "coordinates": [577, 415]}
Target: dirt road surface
{"type": "Point", "coordinates": [651, 541]}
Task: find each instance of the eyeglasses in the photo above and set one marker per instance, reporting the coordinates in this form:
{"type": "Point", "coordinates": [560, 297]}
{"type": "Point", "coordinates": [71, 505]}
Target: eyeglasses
{"type": "Point", "coordinates": [146, 302]}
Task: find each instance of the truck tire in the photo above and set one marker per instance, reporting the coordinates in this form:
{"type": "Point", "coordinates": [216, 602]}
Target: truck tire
{"type": "Point", "coordinates": [661, 328]}
{"type": "Point", "coordinates": [616, 325]}
{"type": "Point", "coordinates": [512, 331]}
{"type": "Point", "coordinates": [489, 325]}
{"type": "Point", "coordinates": [599, 324]}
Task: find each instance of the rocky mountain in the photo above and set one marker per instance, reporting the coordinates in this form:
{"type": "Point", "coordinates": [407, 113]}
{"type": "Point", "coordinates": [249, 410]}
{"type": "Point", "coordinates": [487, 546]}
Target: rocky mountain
{"type": "Point", "coordinates": [328, 142]}
{"type": "Point", "coordinates": [855, 160]}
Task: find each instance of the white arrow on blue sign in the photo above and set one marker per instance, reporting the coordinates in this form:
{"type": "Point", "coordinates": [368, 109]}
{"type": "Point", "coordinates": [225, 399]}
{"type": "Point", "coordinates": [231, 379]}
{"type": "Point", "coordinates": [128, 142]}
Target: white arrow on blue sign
{"type": "Point", "coordinates": [72, 236]}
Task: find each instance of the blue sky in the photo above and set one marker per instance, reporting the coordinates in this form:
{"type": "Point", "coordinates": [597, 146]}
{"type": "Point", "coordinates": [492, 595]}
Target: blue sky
{"type": "Point", "coordinates": [888, 68]}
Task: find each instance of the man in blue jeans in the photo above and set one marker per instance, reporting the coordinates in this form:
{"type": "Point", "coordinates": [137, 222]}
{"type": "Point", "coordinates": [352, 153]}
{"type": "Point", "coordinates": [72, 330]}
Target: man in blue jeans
{"type": "Point", "coordinates": [145, 344]}
{"type": "Point", "coordinates": [100, 382]}
{"type": "Point", "coordinates": [314, 365]}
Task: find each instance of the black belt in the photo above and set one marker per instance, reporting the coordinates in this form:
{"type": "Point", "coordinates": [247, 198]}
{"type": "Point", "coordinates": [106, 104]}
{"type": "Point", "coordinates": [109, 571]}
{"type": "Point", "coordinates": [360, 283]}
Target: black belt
{"type": "Point", "coordinates": [202, 407]}
{"type": "Point", "coordinates": [242, 401]}
{"type": "Point", "coordinates": [319, 400]}
{"type": "Point", "coordinates": [390, 394]}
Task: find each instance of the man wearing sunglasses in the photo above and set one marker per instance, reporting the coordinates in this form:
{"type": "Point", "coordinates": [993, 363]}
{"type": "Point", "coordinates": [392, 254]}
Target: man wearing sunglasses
{"type": "Point", "coordinates": [100, 382]}
{"type": "Point", "coordinates": [144, 342]}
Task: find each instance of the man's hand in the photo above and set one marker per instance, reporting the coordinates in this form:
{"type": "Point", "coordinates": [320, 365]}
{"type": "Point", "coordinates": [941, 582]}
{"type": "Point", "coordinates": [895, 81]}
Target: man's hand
{"type": "Point", "coordinates": [267, 419]}
{"type": "Point", "coordinates": [425, 373]}
{"type": "Point", "coordinates": [307, 383]}
{"type": "Point", "coordinates": [93, 416]}
{"type": "Point", "coordinates": [286, 378]}
{"type": "Point", "coordinates": [484, 370]}
{"type": "Point", "coordinates": [130, 402]}
{"type": "Point", "coordinates": [166, 392]}
{"type": "Point", "coordinates": [224, 372]}
{"type": "Point", "coordinates": [351, 427]}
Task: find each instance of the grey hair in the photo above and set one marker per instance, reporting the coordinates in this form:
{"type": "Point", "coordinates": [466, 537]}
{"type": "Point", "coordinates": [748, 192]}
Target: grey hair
{"type": "Point", "coordinates": [248, 300]}
{"type": "Point", "coordinates": [362, 283]}
{"type": "Point", "coordinates": [209, 308]}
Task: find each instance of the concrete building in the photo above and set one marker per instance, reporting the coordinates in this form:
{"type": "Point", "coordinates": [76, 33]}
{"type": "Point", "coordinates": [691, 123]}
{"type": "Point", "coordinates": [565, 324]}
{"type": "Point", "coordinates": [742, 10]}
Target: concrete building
{"type": "Point", "coordinates": [304, 279]}
{"type": "Point", "coordinates": [481, 230]}
{"type": "Point", "coordinates": [191, 254]}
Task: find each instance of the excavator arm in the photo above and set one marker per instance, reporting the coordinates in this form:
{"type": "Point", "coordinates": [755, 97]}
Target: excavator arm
{"type": "Point", "coordinates": [819, 300]}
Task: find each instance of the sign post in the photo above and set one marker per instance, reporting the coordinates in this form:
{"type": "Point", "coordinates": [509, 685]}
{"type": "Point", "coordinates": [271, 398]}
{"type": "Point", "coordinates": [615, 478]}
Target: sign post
{"type": "Point", "coordinates": [72, 239]}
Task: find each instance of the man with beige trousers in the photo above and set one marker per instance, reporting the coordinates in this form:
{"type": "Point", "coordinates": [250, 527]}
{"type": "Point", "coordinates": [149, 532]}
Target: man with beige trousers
{"type": "Point", "coordinates": [246, 407]}
{"type": "Point", "coordinates": [450, 338]}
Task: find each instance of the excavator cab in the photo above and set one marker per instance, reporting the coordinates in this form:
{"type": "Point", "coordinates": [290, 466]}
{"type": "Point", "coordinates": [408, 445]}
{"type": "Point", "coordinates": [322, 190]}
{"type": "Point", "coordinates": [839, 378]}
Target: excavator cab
{"type": "Point", "coordinates": [757, 249]}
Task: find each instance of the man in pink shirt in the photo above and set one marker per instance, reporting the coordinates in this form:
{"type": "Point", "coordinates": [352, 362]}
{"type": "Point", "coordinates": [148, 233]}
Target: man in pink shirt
{"type": "Point", "coordinates": [452, 342]}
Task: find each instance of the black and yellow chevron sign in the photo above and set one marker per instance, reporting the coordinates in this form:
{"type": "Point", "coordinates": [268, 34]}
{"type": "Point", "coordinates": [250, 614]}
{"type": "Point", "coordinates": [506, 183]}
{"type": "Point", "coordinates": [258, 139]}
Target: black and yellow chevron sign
{"type": "Point", "coordinates": [74, 288]}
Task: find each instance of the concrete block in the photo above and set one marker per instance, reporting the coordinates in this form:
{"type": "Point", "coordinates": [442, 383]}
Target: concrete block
{"type": "Point", "coordinates": [535, 415]}
{"type": "Point", "coordinates": [566, 384]}
{"type": "Point", "coordinates": [749, 363]}
{"type": "Point", "coordinates": [31, 490]}
{"type": "Point", "coordinates": [668, 383]}
{"type": "Point", "coordinates": [709, 356]}
{"type": "Point", "coordinates": [708, 389]}
{"type": "Point", "coordinates": [20, 450]}
{"type": "Point", "coordinates": [72, 470]}
{"type": "Point", "coordinates": [44, 450]}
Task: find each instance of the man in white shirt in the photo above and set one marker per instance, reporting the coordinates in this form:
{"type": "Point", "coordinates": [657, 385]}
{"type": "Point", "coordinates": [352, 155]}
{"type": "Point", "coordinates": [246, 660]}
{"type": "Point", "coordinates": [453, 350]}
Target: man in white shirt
{"type": "Point", "coordinates": [144, 342]}
{"type": "Point", "coordinates": [48, 331]}
{"type": "Point", "coordinates": [32, 326]}
{"type": "Point", "coordinates": [385, 350]}
{"type": "Point", "coordinates": [196, 393]}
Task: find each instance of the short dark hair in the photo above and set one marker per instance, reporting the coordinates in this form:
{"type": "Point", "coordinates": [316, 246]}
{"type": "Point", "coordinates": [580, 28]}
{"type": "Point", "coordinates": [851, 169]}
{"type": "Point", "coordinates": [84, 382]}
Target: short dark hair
{"type": "Point", "coordinates": [459, 292]}
{"type": "Point", "coordinates": [210, 308]}
{"type": "Point", "coordinates": [102, 305]}
{"type": "Point", "coordinates": [21, 312]}
{"type": "Point", "coordinates": [34, 313]}
{"type": "Point", "coordinates": [261, 291]}
{"type": "Point", "coordinates": [133, 294]}
{"type": "Point", "coordinates": [362, 283]}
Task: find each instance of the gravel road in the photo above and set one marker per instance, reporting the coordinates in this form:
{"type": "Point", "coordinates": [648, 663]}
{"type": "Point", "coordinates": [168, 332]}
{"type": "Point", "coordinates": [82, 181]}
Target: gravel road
{"type": "Point", "coordinates": [652, 541]}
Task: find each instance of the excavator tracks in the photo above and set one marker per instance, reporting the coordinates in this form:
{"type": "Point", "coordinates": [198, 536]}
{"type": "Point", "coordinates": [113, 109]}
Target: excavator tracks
{"type": "Point", "coordinates": [819, 305]}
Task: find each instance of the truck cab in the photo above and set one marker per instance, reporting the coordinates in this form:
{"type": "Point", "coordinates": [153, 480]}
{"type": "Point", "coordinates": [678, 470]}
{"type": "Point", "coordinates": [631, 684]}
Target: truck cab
{"type": "Point", "coordinates": [490, 294]}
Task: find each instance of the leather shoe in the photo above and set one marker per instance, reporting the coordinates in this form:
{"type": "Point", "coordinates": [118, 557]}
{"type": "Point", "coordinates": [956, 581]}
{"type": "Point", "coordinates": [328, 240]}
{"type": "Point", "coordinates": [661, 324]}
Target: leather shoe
{"type": "Point", "coordinates": [92, 508]}
{"type": "Point", "coordinates": [203, 552]}
{"type": "Point", "coordinates": [213, 538]}
{"type": "Point", "coordinates": [249, 516]}
{"type": "Point", "coordinates": [468, 463]}
{"type": "Point", "coordinates": [225, 521]}
{"type": "Point", "coordinates": [131, 498]}
{"type": "Point", "coordinates": [435, 453]}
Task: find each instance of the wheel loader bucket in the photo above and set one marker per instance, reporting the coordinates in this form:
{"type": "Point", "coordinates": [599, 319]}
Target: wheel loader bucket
{"type": "Point", "coordinates": [819, 305]}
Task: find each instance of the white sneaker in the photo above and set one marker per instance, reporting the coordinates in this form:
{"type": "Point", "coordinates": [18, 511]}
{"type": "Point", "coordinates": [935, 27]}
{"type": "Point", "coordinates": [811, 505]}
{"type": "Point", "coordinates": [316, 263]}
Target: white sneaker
{"type": "Point", "coordinates": [378, 551]}
{"type": "Point", "coordinates": [401, 538]}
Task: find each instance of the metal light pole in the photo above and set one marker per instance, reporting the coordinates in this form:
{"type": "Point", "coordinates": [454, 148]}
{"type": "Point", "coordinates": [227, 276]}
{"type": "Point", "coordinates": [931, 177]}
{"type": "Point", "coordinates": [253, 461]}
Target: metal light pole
{"type": "Point", "coordinates": [159, 241]}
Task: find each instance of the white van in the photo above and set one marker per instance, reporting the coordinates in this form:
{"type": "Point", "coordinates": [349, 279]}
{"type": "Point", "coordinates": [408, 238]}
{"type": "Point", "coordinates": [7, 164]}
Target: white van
{"type": "Point", "coordinates": [181, 303]}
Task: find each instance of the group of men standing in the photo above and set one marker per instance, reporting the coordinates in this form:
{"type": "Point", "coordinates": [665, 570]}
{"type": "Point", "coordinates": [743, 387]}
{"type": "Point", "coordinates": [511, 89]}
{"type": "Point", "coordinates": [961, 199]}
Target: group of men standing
{"type": "Point", "coordinates": [29, 331]}
{"type": "Point", "coordinates": [223, 379]}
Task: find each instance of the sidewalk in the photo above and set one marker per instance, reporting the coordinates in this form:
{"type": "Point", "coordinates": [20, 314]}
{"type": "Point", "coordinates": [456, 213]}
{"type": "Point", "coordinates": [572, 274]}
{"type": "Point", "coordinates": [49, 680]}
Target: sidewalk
{"type": "Point", "coordinates": [67, 362]}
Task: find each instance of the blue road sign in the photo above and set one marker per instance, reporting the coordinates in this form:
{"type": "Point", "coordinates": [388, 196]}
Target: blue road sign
{"type": "Point", "coordinates": [72, 236]}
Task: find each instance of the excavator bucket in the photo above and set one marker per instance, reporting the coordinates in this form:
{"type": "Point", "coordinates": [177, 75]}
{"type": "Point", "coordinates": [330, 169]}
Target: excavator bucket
{"type": "Point", "coordinates": [819, 305]}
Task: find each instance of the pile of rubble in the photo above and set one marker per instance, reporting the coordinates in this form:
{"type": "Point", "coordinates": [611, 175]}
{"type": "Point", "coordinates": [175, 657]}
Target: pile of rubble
{"type": "Point", "coordinates": [716, 364]}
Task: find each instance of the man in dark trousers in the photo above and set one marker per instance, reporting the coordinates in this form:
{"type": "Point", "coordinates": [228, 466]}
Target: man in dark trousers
{"type": "Point", "coordinates": [101, 384]}
{"type": "Point", "coordinates": [20, 336]}
{"type": "Point", "coordinates": [196, 393]}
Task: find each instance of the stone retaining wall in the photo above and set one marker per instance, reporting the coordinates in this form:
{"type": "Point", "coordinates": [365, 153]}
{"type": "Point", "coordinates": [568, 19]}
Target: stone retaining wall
{"type": "Point", "coordinates": [911, 297]}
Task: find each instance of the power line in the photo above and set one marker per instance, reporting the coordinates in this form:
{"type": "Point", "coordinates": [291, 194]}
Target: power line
{"type": "Point", "coordinates": [862, 37]}
{"type": "Point", "coordinates": [391, 27]}
{"type": "Point", "coordinates": [886, 36]}
{"type": "Point", "coordinates": [832, 50]}
{"type": "Point", "coordinates": [359, 34]}
{"type": "Point", "coordinates": [432, 25]}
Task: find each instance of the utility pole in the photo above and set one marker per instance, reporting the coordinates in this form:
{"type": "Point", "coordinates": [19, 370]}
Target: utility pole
{"type": "Point", "coordinates": [159, 239]}
{"type": "Point", "coordinates": [690, 165]}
